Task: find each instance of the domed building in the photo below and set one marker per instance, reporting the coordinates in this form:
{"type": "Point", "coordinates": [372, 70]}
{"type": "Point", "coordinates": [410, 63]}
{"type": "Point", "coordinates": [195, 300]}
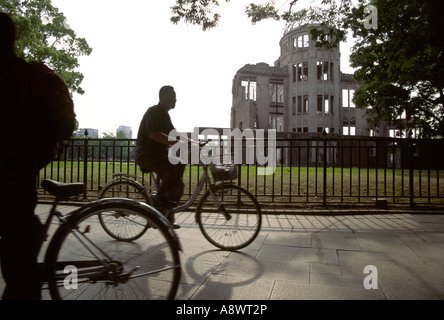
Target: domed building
{"type": "Point", "coordinates": [304, 92]}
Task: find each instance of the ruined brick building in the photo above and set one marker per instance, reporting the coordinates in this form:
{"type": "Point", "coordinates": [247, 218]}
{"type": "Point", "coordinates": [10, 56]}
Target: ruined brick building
{"type": "Point", "coordinates": [304, 92]}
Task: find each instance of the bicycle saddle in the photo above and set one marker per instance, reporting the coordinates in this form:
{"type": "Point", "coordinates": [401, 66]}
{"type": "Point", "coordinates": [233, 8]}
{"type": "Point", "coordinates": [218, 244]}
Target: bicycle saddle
{"type": "Point", "coordinates": [61, 190]}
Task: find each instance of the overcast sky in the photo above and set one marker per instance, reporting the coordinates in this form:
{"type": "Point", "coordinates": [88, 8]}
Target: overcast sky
{"type": "Point", "coordinates": [136, 50]}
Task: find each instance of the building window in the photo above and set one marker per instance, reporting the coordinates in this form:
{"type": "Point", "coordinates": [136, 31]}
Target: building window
{"type": "Point", "coordinates": [276, 92]}
{"type": "Point", "coordinates": [249, 90]}
{"type": "Point", "coordinates": [302, 41]}
{"type": "Point", "coordinates": [323, 104]}
{"type": "Point", "coordinates": [305, 104]}
{"type": "Point", "coordinates": [302, 71]}
{"type": "Point", "coordinates": [299, 105]}
{"type": "Point", "coordinates": [276, 122]}
{"type": "Point", "coordinates": [398, 133]}
{"type": "Point", "coordinates": [325, 70]}
{"type": "Point", "coordinates": [322, 67]}
{"type": "Point", "coordinates": [352, 94]}
{"type": "Point", "coordinates": [347, 98]}
{"type": "Point", "coordinates": [319, 104]}
{"type": "Point", "coordinates": [326, 104]}
{"type": "Point", "coordinates": [349, 131]}
{"type": "Point", "coordinates": [293, 105]}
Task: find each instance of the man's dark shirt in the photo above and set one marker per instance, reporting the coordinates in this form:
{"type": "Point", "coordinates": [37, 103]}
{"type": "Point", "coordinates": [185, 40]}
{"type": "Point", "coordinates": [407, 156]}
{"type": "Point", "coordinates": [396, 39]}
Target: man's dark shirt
{"type": "Point", "coordinates": [156, 119]}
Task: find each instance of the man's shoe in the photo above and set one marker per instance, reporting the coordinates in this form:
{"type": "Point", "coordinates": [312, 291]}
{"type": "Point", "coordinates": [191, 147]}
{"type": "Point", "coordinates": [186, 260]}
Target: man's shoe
{"type": "Point", "coordinates": [170, 216]}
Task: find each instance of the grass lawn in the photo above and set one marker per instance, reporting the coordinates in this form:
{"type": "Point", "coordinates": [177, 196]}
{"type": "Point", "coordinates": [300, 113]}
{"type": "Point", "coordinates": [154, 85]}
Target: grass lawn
{"type": "Point", "coordinates": [286, 185]}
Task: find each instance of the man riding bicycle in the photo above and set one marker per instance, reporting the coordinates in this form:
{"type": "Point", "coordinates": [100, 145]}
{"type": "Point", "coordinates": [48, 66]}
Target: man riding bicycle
{"type": "Point", "coordinates": [152, 148]}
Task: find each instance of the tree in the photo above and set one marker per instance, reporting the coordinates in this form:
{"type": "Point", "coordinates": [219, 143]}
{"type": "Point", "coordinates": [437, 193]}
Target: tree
{"type": "Point", "coordinates": [401, 65]}
{"type": "Point", "coordinates": [45, 36]}
{"type": "Point", "coordinates": [398, 56]}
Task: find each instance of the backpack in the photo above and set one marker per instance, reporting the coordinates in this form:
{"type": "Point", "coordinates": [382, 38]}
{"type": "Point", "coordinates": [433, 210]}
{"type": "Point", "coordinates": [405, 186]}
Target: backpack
{"type": "Point", "coordinates": [37, 113]}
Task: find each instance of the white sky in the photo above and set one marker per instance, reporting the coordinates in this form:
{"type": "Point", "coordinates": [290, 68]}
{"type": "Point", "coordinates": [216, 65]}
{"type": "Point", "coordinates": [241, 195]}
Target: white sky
{"type": "Point", "coordinates": [137, 50]}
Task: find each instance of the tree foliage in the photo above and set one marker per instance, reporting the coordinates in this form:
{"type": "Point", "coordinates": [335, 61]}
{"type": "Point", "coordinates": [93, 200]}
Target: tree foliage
{"type": "Point", "coordinates": [401, 65]}
{"type": "Point", "coordinates": [198, 12]}
{"type": "Point", "coordinates": [45, 36]}
{"type": "Point", "coordinates": [399, 62]}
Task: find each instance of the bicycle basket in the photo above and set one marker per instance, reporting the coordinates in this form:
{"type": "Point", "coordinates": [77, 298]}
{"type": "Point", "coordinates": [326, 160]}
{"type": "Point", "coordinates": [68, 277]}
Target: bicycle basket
{"type": "Point", "coordinates": [223, 172]}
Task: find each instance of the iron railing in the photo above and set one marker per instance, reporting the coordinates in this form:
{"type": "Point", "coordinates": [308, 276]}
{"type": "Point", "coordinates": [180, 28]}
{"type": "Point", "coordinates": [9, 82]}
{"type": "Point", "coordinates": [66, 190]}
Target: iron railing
{"type": "Point", "coordinates": [324, 170]}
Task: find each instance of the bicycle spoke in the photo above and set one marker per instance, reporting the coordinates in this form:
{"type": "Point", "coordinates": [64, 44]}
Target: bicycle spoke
{"type": "Point", "coordinates": [119, 224]}
{"type": "Point", "coordinates": [229, 217]}
{"type": "Point", "coordinates": [147, 268]}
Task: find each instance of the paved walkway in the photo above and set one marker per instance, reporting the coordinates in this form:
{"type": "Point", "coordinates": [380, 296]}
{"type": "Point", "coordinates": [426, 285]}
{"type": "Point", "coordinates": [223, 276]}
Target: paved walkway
{"type": "Point", "coordinates": [319, 256]}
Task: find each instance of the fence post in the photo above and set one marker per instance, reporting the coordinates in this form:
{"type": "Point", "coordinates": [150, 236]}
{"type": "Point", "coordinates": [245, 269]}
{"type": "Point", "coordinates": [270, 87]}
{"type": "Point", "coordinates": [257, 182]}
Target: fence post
{"type": "Point", "coordinates": [411, 173]}
{"type": "Point", "coordinates": [324, 174]}
{"type": "Point", "coordinates": [85, 163]}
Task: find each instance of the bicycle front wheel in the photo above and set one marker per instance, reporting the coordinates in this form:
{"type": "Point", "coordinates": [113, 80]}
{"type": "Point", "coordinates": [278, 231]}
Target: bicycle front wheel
{"type": "Point", "coordinates": [229, 217]}
{"type": "Point", "coordinates": [83, 263]}
{"type": "Point", "coordinates": [122, 225]}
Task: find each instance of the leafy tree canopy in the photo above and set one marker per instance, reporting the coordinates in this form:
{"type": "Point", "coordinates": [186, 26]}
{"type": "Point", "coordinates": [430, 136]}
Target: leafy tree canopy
{"type": "Point", "coordinates": [398, 53]}
{"type": "Point", "coordinates": [44, 36]}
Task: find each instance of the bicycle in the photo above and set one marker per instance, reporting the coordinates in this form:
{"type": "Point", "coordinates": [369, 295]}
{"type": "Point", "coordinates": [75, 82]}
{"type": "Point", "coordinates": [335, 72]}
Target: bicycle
{"type": "Point", "coordinates": [228, 216]}
{"type": "Point", "coordinates": [83, 262]}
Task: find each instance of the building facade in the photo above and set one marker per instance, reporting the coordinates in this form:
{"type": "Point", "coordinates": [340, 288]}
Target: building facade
{"type": "Point", "coordinates": [125, 131]}
{"type": "Point", "coordinates": [87, 132]}
{"type": "Point", "coordinates": [304, 92]}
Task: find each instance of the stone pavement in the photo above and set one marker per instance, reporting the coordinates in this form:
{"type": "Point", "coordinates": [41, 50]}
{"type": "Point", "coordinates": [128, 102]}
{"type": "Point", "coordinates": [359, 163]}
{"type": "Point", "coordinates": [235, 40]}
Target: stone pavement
{"type": "Point", "coordinates": [318, 256]}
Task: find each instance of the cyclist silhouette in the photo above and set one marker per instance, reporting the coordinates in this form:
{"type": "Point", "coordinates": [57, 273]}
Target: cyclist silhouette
{"type": "Point", "coordinates": [36, 112]}
{"type": "Point", "coordinates": [152, 148]}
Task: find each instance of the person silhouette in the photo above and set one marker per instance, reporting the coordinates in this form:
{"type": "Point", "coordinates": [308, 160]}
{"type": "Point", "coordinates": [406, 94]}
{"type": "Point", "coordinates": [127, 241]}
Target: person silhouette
{"type": "Point", "coordinates": [152, 147]}
{"type": "Point", "coordinates": [36, 113]}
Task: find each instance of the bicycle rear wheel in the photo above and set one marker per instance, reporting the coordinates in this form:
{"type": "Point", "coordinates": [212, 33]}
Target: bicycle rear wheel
{"type": "Point", "coordinates": [84, 263]}
{"type": "Point", "coordinates": [122, 225]}
{"type": "Point", "coordinates": [230, 218]}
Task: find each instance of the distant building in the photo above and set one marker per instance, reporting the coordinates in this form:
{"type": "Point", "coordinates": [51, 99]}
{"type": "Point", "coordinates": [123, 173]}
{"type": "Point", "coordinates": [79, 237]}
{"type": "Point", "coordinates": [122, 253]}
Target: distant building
{"type": "Point", "coordinates": [304, 92]}
{"type": "Point", "coordinates": [126, 131]}
{"type": "Point", "coordinates": [87, 132]}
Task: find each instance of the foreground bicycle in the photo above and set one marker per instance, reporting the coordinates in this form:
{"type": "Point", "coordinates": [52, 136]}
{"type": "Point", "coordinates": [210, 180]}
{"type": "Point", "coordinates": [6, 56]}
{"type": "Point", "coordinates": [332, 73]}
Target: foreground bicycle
{"type": "Point", "coordinates": [83, 262]}
{"type": "Point", "coordinates": [228, 215]}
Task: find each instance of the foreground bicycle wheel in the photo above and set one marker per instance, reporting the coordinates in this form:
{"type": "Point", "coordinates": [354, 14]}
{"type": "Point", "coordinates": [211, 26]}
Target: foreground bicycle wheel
{"type": "Point", "coordinates": [230, 219]}
{"type": "Point", "coordinates": [98, 267]}
{"type": "Point", "coordinates": [121, 225]}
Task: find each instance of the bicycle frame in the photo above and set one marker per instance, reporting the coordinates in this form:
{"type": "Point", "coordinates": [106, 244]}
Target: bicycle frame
{"type": "Point", "coordinates": [204, 179]}
{"type": "Point", "coordinates": [53, 212]}
{"type": "Point", "coordinates": [221, 199]}
{"type": "Point", "coordinates": [195, 193]}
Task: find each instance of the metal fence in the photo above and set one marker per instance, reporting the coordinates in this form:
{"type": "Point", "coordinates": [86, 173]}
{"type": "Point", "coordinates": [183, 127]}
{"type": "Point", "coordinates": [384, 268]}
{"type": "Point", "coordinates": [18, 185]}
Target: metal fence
{"type": "Point", "coordinates": [317, 170]}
